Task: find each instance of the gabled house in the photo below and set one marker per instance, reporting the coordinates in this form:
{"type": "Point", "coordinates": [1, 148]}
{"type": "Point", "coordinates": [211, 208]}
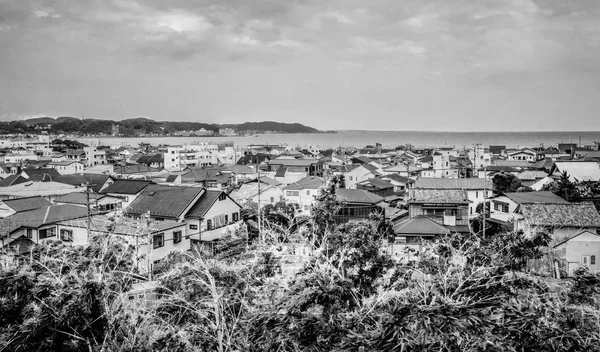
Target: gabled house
{"type": "Point", "coordinates": [504, 207]}
{"type": "Point", "coordinates": [47, 189]}
{"type": "Point", "coordinates": [358, 204]}
{"type": "Point", "coordinates": [353, 174]}
{"type": "Point", "coordinates": [521, 154]}
{"type": "Point", "coordinates": [9, 207]}
{"type": "Point", "coordinates": [152, 160]}
{"type": "Point", "coordinates": [212, 216]}
{"type": "Point", "coordinates": [39, 174]}
{"type": "Point", "coordinates": [271, 192]}
{"type": "Point", "coordinates": [303, 192]}
{"type": "Point", "coordinates": [13, 180]}
{"type": "Point", "coordinates": [530, 177]}
{"type": "Point", "coordinates": [162, 202]}
{"type": "Point", "coordinates": [304, 167]}
{"type": "Point", "coordinates": [377, 186]}
{"type": "Point", "coordinates": [583, 249]}
{"type": "Point", "coordinates": [477, 189]}
{"type": "Point", "coordinates": [209, 178]}
{"type": "Point", "coordinates": [448, 207]}
{"type": "Point", "coordinates": [67, 167]}
{"type": "Point", "coordinates": [400, 183]}
{"type": "Point", "coordinates": [578, 171]}
{"type": "Point", "coordinates": [561, 220]}
{"type": "Point", "coordinates": [99, 203]}
{"type": "Point", "coordinates": [38, 225]}
{"type": "Point", "coordinates": [128, 190]}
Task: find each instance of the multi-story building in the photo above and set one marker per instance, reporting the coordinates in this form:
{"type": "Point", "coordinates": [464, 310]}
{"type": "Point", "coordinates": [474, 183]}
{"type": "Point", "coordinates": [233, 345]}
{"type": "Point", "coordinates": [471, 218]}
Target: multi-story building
{"type": "Point", "coordinates": [179, 158]}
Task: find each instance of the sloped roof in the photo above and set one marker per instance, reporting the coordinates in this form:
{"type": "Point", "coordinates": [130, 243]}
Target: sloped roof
{"type": "Point", "coordinates": [78, 198]}
{"type": "Point", "coordinates": [579, 170]}
{"type": "Point", "coordinates": [27, 203]}
{"type": "Point", "coordinates": [377, 183]}
{"type": "Point", "coordinates": [171, 178]}
{"type": "Point", "coordinates": [566, 214]}
{"type": "Point", "coordinates": [75, 152]}
{"type": "Point", "coordinates": [420, 226]}
{"type": "Point", "coordinates": [309, 182]}
{"type": "Point", "coordinates": [362, 159]}
{"type": "Point", "coordinates": [347, 168]}
{"type": "Point", "coordinates": [164, 201]}
{"type": "Point", "coordinates": [64, 163]}
{"type": "Point", "coordinates": [13, 180]}
{"type": "Point", "coordinates": [42, 216]}
{"type": "Point", "coordinates": [127, 186]}
{"type": "Point", "coordinates": [531, 175]}
{"type": "Point", "coordinates": [253, 159]}
{"type": "Point", "coordinates": [240, 169]}
{"type": "Point", "coordinates": [357, 196]}
{"type": "Point", "coordinates": [151, 158]}
{"type": "Point", "coordinates": [96, 181]}
{"type": "Point", "coordinates": [134, 169]}
{"type": "Point", "coordinates": [281, 171]}
{"type": "Point", "coordinates": [204, 204]}
{"type": "Point", "coordinates": [37, 188]}
{"type": "Point", "coordinates": [249, 190]}
{"type": "Point", "coordinates": [73, 179]}
{"type": "Point", "coordinates": [293, 162]}
{"type": "Point", "coordinates": [535, 197]}
{"type": "Point", "coordinates": [374, 170]}
{"type": "Point", "coordinates": [453, 183]}
{"type": "Point", "coordinates": [438, 196]}
{"type": "Point", "coordinates": [397, 178]}
{"type": "Point", "coordinates": [41, 174]}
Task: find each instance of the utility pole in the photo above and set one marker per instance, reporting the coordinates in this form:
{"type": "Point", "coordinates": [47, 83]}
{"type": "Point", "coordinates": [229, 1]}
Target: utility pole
{"type": "Point", "coordinates": [89, 215]}
{"type": "Point", "coordinates": [484, 198]}
{"type": "Point", "coordinates": [258, 179]}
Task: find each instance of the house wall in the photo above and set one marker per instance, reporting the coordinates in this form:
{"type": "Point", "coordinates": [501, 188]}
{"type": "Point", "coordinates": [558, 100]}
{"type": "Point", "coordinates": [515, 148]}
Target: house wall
{"type": "Point", "coordinates": [5, 210]}
{"type": "Point", "coordinates": [220, 207]}
{"type": "Point", "coordinates": [357, 175]}
{"type": "Point", "coordinates": [461, 217]}
{"type": "Point", "coordinates": [127, 198]}
{"type": "Point", "coordinates": [573, 251]}
{"type": "Point", "coordinates": [499, 214]}
{"type": "Point", "coordinates": [476, 197]}
{"type": "Point", "coordinates": [356, 212]}
{"type": "Point", "coordinates": [305, 198]}
{"type": "Point", "coordinates": [73, 168]}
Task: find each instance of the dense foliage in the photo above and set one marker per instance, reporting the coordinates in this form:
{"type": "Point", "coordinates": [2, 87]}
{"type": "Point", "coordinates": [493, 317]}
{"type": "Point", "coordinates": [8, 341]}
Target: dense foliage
{"type": "Point", "coordinates": [283, 293]}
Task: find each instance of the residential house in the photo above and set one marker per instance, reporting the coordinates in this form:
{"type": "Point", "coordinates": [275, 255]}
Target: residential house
{"type": "Point", "coordinates": [207, 177]}
{"type": "Point", "coordinates": [98, 203]}
{"type": "Point", "coordinates": [67, 167]}
{"type": "Point", "coordinates": [303, 192]}
{"type": "Point", "coordinates": [270, 190]}
{"type": "Point", "coordinates": [560, 220]}
{"type": "Point", "coordinates": [358, 204]}
{"type": "Point", "coordinates": [583, 249]}
{"type": "Point", "coordinates": [353, 174]}
{"type": "Point", "coordinates": [47, 189]}
{"type": "Point", "coordinates": [152, 160]}
{"type": "Point", "coordinates": [9, 207]}
{"type": "Point", "coordinates": [294, 168]}
{"type": "Point", "coordinates": [410, 234]}
{"type": "Point", "coordinates": [151, 240]}
{"type": "Point", "coordinates": [477, 189]}
{"type": "Point", "coordinates": [128, 190]}
{"type": "Point", "coordinates": [448, 207]}
{"type": "Point", "coordinates": [504, 207]}
{"type": "Point", "coordinates": [35, 226]}
{"type": "Point", "coordinates": [212, 216]}
{"type": "Point", "coordinates": [39, 174]}
{"type": "Point", "coordinates": [13, 180]}
{"type": "Point", "coordinates": [524, 154]}
{"type": "Point", "coordinates": [399, 182]}
{"type": "Point", "coordinates": [532, 177]}
{"type": "Point", "coordinates": [377, 186]}
{"type": "Point", "coordinates": [578, 170]}
{"type": "Point", "coordinates": [94, 156]}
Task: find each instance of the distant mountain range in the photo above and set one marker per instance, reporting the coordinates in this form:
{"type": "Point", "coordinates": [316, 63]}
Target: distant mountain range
{"type": "Point", "coordinates": [142, 126]}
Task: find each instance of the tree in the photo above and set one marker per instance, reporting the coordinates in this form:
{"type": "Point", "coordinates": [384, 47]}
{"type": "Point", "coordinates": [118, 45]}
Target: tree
{"type": "Point", "coordinates": [506, 182]}
{"type": "Point", "coordinates": [564, 188]}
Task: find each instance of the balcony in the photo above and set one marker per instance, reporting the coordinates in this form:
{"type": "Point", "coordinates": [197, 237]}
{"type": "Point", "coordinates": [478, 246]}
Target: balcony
{"type": "Point", "coordinates": [214, 234]}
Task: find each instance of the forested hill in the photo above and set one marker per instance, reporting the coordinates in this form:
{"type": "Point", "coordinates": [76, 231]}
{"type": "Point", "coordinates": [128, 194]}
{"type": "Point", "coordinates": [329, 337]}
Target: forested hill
{"type": "Point", "coordinates": [138, 126]}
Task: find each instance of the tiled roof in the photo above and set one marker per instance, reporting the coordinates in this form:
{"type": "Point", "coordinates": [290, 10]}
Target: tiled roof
{"type": "Point", "coordinates": [125, 225]}
{"type": "Point", "coordinates": [27, 203]}
{"type": "Point", "coordinates": [64, 163]}
{"type": "Point", "coordinates": [96, 180]}
{"type": "Point", "coordinates": [78, 198]}
{"type": "Point", "coordinates": [569, 214]}
{"type": "Point", "coordinates": [171, 178]}
{"type": "Point", "coordinates": [452, 183]}
{"type": "Point", "coordinates": [374, 170]}
{"type": "Point", "coordinates": [357, 196]}
{"type": "Point", "coordinates": [293, 162]}
{"type": "Point", "coordinates": [579, 170]}
{"type": "Point", "coordinates": [439, 196]}
{"type": "Point", "coordinates": [134, 169]}
{"type": "Point", "coordinates": [281, 171]}
{"type": "Point", "coordinates": [164, 201]}
{"type": "Point", "coordinates": [347, 168]}
{"type": "Point", "coordinates": [512, 163]}
{"type": "Point", "coordinates": [362, 159]}
{"type": "Point", "coordinates": [377, 183]}
{"type": "Point", "coordinates": [127, 186]}
{"type": "Point", "coordinates": [397, 178]}
{"type": "Point", "coordinates": [310, 182]}
{"type": "Point", "coordinates": [420, 226]}
{"type": "Point", "coordinates": [76, 152]}
{"type": "Point", "coordinates": [534, 197]}
{"type": "Point", "coordinates": [39, 217]}
{"type": "Point", "coordinates": [73, 179]}
{"type": "Point", "coordinates": [253, 159]}
{"type": "Point", "coordinates": [531, 175]}
{"type": "Point", "coordinates": [13, 180]}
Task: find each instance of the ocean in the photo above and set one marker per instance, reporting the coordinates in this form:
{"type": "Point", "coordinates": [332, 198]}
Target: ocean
{"type": "Point", "coordinates": [388, 139]}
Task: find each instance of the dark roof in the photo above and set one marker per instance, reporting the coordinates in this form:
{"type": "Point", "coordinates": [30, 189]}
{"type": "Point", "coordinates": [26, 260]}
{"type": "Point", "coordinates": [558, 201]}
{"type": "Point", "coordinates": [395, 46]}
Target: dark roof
{"type": "Point", "coordinates": [397, 178]}
{"type": "Point", "coordinates": [39, 217]}
{"type": "Point", "coordinates": [361, 160]}
{"type": "Point", "coordinates": [202, 175]}
{"type": "Point", "coordinates": [96, 181]}
{"type": "Point", "coordinates": [374, 170]}
{"type": "Point", "coordinates": [27, 203]}
{"type": "Point", "coordinates": [281, 171]}
{"type": "Point", "coordinates": [171, 178]}
{"type": "Point", "coordinates": [420, 226]}
{"type": "Point", "coordinates": [253, 159]}
{"type": "Point", "coordinates": [127, 186]}
{"type": "Point", "coordinates": [78, 198]}
{"type": "Point", "coordinates": [438, 196]}
{"type": "Point", "coordinates": [534, 197]}
{"type": "Point", "coordinates": [376, 183]}
{"type": "Point", "coordinates": [133, 169]}
{"type": "Point", "coordinates": [149, 159]}
{"type": "Point", "coordinates": [72, 179]}
{"type": "Point", "coordinates": [293, 162]}
{"type": "Point", "coordinates": [452, 183]}
{"type": "Point", "coordinates": [13, 180]}
{"type": "Point", "coordinates": [41, 174]}
{"type": "Point", "coordinates": [203, 205]}
{"type": "Point", "coordinates": [565, 214]}
{"type": "Point", "coordinates": [357, 196]}
{"type": "Point", "coordinates": [164, 201]}
{"type": "Point", "coordinates": [347, 168]}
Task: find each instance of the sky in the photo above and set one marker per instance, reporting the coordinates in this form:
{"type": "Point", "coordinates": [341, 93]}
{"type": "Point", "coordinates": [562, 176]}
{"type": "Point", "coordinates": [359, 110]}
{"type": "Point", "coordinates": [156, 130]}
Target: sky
{"type": "Point", "coordinates": [431, 65]}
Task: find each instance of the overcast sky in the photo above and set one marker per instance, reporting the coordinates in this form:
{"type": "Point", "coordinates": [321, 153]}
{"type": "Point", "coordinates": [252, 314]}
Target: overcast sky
{"type": "Point", "coordinates": [341, 64]}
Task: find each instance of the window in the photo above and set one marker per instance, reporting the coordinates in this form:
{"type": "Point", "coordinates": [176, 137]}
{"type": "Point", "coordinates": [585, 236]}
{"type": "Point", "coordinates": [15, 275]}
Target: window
{"type": "Point", "coordinates": [209, 225]}
{"type": "Point", "coordinates": [272, 199]}
{"type": "Point", "coordinates": [222, 196]}
{"type": "Point", "coordinates": [176, 236]}
{"type": "Point", "coordinates": [306, 207]}
{"type": "Point", "coordinates": [292, 193]}
{"type": "Point", "coordinates": [349, 178]}
{"type": "Point", "coordinates": [235, 216]}
{"type": "Point", "coordinates": [226, 218]}
{"type": "Point", "coordinates": [29, 233]}
{"type": "Point", "coordinates": [593, 260]}
{"type": "Point", "coordinates": [49, 232]}
{"type": "Point", "coordinates": [476, 194]}
{"type": "Point", "coordinates": [193, 227]}
{"type": "Point", "coordinates": [66, 235]}
{"type": "Point", "coordinates": [308, 192]}
{"type": "Point", "coordinates": [158, 240]}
